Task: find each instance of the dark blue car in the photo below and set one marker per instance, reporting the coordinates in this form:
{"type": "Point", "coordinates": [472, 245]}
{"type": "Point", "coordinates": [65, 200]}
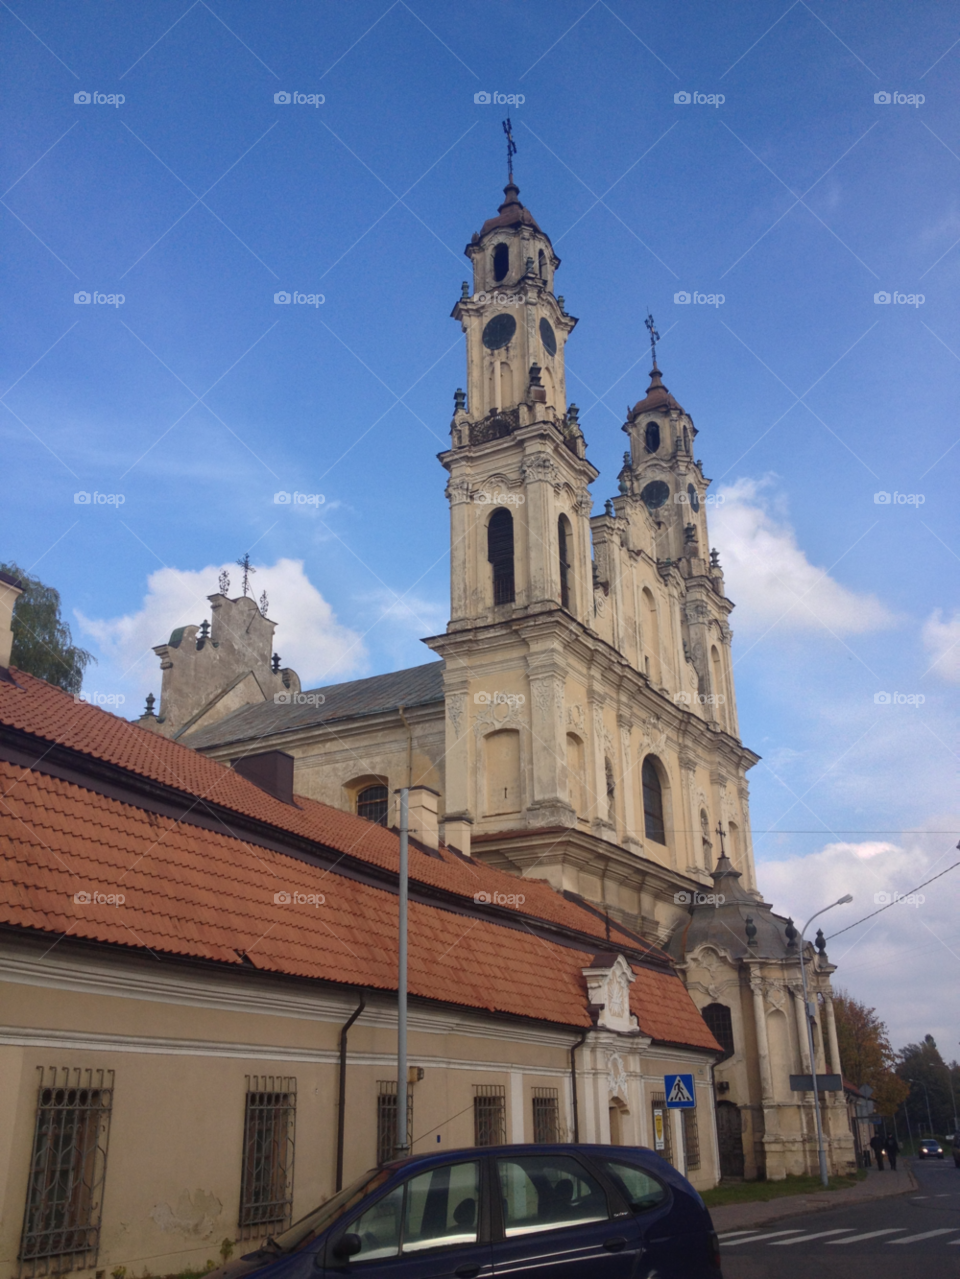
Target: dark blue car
{"type": "Point", "coordinates": [580, 1212]}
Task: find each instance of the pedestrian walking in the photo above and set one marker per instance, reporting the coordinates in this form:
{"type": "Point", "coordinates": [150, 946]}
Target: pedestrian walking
{"type": "Point", "coordinates": [876, 1144]}
{"type": "Point", "coordinates": [892, 1147]}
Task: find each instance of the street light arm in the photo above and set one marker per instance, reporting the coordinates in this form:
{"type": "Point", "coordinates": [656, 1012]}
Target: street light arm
{"type": "Point", "coordinates": [840, 902]}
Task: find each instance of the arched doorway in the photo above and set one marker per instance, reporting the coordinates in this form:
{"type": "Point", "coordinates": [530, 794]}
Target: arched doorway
{"type": "Point", "coordinates": [730, 1139]}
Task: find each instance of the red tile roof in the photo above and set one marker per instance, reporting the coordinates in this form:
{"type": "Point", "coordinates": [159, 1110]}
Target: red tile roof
{"type": "Point", "coordinates": [208, 895]}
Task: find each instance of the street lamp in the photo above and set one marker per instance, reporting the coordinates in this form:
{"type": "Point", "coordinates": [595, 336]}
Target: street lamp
{"type": "Point", "coordinates": [927, 1096]}
{"type": "Point", "coordinates": [821, 1152]}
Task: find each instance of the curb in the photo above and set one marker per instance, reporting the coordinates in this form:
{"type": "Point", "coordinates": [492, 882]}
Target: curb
{"type": "Point", "coordinates": [732, 1216]}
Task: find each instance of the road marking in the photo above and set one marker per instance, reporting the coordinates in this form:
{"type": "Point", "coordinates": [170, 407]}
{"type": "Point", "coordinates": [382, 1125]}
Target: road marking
{"type": "Point", "coordinates": [927, 1234]}
{"type": "Point", "coordinates": [732, 1234]}
{"type": "Point", "coordinates": [821, 1234]}
{"type": "Point", "coordinates": [756, 1238]}
{"type": "Point", "coordinates": [871, 1234]}
{"type": "Point", "coordinates": [914, 1198]}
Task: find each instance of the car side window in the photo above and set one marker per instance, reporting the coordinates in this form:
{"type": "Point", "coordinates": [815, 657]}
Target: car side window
{"type": "Point", "coordinates": [442, 1208]}
{"type": "Point", "coordinates": [641, 1191]}
{"type": "Point", "coordinates": [379, 1228]}
{"type": "Point", "coordinates": [548, 1192]}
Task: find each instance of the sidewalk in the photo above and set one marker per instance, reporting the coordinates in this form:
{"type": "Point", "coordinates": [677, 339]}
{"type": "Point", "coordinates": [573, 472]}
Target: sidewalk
{"type": "Point", "coordinates": [876, 1185]}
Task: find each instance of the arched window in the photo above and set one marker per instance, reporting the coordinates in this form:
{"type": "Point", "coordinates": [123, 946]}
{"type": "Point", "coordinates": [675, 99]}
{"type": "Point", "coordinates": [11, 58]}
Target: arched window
{"type": "Point", "coordinates": [500, 555]}
{"type": "Point", "coordinates": [717, 1017]}
{"type": "Point", "coordinates": [565, 539]}
{"type": "Point", "coordinates": [651, 437]}
{"type": "Point", "coordinates": [652, 802]}
{"type": "Point", "coordinates": [372, 804]}
{"type": "Point", "coordinates": [501, 262]}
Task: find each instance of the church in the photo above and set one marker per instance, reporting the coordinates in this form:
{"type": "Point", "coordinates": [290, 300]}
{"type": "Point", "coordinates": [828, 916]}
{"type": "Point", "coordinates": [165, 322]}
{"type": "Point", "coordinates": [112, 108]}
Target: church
{"type": "Point", "coordinates": [580, 726]}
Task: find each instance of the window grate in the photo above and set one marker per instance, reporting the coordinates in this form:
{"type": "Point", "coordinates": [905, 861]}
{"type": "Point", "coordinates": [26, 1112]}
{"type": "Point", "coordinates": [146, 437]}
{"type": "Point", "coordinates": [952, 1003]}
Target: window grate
{"type": "Point", "coordinates": [61, 1221]}
{"type": "Point", "coordinates": [372, 803]}
{"type": "Point", "coordinates": [266, 1190]}
{"type": "Point", "coordinates": [658, 1104]}
{"type": "Point", "coordinates": [387, 1119]}
{"type": "Point", "coordinates": [691, 1140]}
{"type": "Point", "coordinates": [489, 1118]}
{"type": "Point", "coordinates": [546, 1115]}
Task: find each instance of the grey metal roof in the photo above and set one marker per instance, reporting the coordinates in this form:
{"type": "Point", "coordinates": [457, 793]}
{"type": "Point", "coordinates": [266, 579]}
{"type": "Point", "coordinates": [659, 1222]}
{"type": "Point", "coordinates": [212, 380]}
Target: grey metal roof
{"type": "Point", "coordinates": [725, 925]}
{"type": "Point", "coordinates": [416, 686]}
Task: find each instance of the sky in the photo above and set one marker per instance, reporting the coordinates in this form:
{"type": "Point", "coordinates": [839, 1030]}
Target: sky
{"type": "Point", "coordinates": [787, 166]}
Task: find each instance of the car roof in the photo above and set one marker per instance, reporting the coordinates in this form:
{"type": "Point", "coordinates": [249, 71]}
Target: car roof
{"type": "Point", "coordinates": [540, 1148]}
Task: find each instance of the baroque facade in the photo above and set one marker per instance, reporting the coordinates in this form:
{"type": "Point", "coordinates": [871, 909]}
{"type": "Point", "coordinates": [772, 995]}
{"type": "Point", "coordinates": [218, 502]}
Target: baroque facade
{"type": "Point", "coordinates": [581, 726]}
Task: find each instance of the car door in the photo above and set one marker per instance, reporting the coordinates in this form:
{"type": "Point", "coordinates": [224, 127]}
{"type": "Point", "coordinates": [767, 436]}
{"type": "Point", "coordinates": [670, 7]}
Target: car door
{"type": "Point", "coordinates": [428, 1227]}
{"type": "Point", "coordinates": [675, 1227]}
{"type": "Point", "coordinates": [556, 1219]}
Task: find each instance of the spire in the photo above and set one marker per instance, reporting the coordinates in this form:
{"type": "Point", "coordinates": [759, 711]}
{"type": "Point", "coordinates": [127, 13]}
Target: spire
{"type": "Point", "coordinates": [511, 149]}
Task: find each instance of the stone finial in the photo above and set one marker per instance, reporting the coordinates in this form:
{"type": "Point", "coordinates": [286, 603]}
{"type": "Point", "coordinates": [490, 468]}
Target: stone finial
{"type": "Point", "coordinates": [535, 371]}
{"type": "Point", "coordinates": [151, 702]}
{"type": "Point", "coordinates": [821, 944]}
{"type": "Point", "coordinates": [464, 292]}
{"type": "Point", "coordinates": [275, 663]}
{"type": "Point", "coordinates": [608, 508]}
{"type": "Point", "coordinates": [204, 633]}
{"type": "Point", "coordinates": [459, 400]}
{"type": "Point", "coordinates": [750, 929]}
{"type": "Point", "coordinates": [573, 415]}
{"type": "Point", "coordinates": [624, 486]}
{"type": "Point", "coordinates": [560, 304]}
{"type": "Point", "coordinates": [714, 558]}
{"type": "Point", "coordinates": [792, 935]}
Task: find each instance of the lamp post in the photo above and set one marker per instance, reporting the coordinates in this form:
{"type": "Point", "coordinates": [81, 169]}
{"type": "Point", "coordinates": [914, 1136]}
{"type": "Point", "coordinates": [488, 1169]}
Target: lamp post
{"type": "Point", "coordinates": [821, 1152]}
{"type": "Point", "coordinates": [927, 1097]}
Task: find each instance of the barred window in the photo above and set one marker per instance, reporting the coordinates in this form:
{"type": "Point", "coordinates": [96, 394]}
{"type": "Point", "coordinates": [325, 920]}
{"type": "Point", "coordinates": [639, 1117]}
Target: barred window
{"type": "Point", "coordinates": [387, 1119]}
{"type": "Point", "coordinates": [546, 1115]}
{"type": "Point", "coordinates": [266, 1188]}
{"type": "Point", "coordinates": [661, 1126]}
{"type": "Point", "coordinates": [61, 1220]}
{"type": "Point", "coordinates": [717, 1017]}
{"type": "Point", "coordinates": [691, 1140]}
{"type": "Point", "coordinates": [372, 804]}
{"type": "Point", "coordinates": [489, 1117]}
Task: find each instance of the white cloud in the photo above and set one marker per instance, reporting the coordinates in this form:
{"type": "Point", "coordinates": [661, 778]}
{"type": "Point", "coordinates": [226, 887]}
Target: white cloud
{"type": "Point", "coordinates": [770, 578]}
{"type": "Point", "coordinates": [942, 641]}
{"type": "Point", "coordinates": [904, 962]}
{"type": "Point", "coordinates": [397, 623]}
{"type": "Point", "coordinates": [308, 637]}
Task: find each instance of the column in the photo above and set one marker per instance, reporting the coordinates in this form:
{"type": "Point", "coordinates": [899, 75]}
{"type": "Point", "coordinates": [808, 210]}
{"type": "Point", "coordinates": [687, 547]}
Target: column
{"type": "Point", "coordinates": [548, 747]}
{"type": "Point", "coordinates": [806, 1066]}
{"type": "Point", "coordinates": [763, 1047]}
{"type": "Point", "coordinates": [626, 786]}
{"type": "Point", "coordinates": [516, 1108]}
{"type": "Point", "coordinates": [832, 1036]}
{"type": "Point", "coordinates": [691, 818]}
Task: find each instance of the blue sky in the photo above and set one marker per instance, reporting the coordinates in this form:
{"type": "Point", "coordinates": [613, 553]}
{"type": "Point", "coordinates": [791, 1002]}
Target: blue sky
{"type": "Point", "coordinates": [798, 198]}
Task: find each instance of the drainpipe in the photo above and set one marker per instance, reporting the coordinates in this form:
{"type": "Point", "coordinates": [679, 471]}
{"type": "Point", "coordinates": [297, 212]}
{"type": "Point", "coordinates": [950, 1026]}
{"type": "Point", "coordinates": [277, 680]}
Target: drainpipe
{"type": "Point", "coordinates": [573, 1083]}
{"type": "Point", "coordinates": [409, 747]}
{"type": "Point", "coordinates": [343, 1086]}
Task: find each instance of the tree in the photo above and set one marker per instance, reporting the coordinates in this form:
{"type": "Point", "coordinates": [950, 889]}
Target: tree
{"type": "Point", "coordinates": [929, 1078]}
{"type": "Point", "coordinates": [865, 1053]}
{"type": "Point", "coordinates": [42, 643]}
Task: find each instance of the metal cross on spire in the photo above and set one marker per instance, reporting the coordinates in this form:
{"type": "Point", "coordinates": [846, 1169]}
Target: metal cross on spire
{"type": "Point", "coordinates": [247, 570]}
{"type": "Point", "coordinates": [721, 832]}
{"type": "Point", "coordinates": [654, 336]}
{"type": "Point", "coordinates": [511, 148]}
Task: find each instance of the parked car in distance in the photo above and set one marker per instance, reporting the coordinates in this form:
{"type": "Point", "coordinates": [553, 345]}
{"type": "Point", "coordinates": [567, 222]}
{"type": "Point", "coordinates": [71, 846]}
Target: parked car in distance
{"type": "Point", "coordinates": [589, 1212]}
{"type": "Point", "coordinates": [930, 1148]}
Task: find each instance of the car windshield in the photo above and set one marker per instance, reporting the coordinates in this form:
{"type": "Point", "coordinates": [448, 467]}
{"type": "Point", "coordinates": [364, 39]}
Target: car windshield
{"type": "Point", "coordinates": [313, 1223]}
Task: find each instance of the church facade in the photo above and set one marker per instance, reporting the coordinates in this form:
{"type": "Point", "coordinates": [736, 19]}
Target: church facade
{"type": "Point", "coordinates": [581, 725]}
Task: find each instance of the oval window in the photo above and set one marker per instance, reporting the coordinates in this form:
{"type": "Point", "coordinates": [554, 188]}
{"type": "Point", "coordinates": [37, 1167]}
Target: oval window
{"type": "Point", "coordinates": [655, 494]}
{"type": "Point", "coordinates": [694, 497]}
{"type": "Point", "coordinates": [499, 331]}
{"type": "Point", "coordinates": [652, 437]}
{"type": "Point", "coordinates": [548, 337]}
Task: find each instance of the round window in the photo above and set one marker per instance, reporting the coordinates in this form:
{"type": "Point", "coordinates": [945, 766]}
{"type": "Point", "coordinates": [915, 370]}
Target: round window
{"type": "Point", "coordinates": [694, 497]}
{"type": "Point", "coordinates": [655, 494]}
{"type": "Point", "coordinates": [499, 331]}
{"type": "Point", "coordinates": [548, 337]}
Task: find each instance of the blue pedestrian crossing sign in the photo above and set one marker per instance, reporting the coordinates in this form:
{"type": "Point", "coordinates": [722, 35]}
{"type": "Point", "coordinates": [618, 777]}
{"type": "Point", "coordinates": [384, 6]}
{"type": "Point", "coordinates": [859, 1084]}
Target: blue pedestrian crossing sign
{"type": "Point", "coordinates": [680, 1092]}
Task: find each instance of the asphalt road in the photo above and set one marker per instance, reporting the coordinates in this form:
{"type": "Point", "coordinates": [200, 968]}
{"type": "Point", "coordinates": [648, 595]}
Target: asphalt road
{"type": "Point", "coordinates": [912, 1236]}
